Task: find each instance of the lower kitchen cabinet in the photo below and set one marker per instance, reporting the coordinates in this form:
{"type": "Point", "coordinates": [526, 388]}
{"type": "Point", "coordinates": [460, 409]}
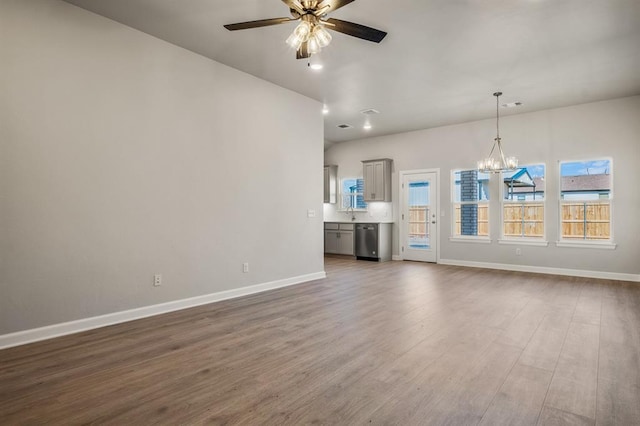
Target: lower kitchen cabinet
{"type": "Point", "coordinates": [338, 238]}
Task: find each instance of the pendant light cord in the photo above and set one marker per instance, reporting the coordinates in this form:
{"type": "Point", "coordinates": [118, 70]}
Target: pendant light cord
{"type": "Point", "coordinates": [498, 117]}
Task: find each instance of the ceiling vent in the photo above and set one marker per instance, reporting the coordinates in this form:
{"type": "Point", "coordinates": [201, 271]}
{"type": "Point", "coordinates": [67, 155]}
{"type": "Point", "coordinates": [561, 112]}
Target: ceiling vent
{"type": "Point", "coordinates": [345, 126]}
{"type": "Point", "coordinates": [369, 111]}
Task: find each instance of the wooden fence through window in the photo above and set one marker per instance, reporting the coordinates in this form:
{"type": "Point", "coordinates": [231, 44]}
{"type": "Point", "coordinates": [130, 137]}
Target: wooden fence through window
{"type": "Point", "coordinates": [483, 220]}
{"type": "Point", "coordinates": [586, 220]}
{"type": "Point", "coordinates": [418, 216]}
{"type": "Point", "coordinates": [523, 220]}
{"type": "Point", "coordinates": [580, 220]}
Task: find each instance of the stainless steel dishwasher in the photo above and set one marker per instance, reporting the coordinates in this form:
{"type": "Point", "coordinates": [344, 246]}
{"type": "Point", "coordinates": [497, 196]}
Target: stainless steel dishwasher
{"type": "Point", "coordinates": [367, 241]}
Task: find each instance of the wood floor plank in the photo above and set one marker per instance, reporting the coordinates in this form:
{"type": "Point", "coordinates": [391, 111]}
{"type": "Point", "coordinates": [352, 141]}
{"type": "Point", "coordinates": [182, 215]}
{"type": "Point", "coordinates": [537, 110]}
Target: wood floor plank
{"type": "Point", "coordinates": [450, 387]}
{"type": "Point", "coordinates": [574, 384]}
{"type": "Point", "coordinates": [554, 417]}
{"type": "Point", "coordinates": [520, 398]}
{"type": "Point", "coordinates": [579, 356]}
{"type": "Point", "coordinates": [588, 309]}
{"type": "Point", "coordinates": [620, 339]}
{"type": "Point", "coordinates": [543, 349]}
{"type": "Point", "coordinates": [383, 343]}
{"type": "Point", "coordinates": [573, 396]}
{"type": "Point", "coordinates": [618, 404]}
{"type": "Point", "coordinates": [465, 399]}
{"type": "Point", "coordinates": [524, 325]}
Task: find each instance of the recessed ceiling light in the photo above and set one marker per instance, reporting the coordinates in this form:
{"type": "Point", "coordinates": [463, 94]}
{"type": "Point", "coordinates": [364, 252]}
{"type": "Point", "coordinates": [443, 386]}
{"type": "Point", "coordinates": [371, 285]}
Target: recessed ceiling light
{"type": "Point", "coordinates": [367, 126]}
{"type": "Point", "coordinates": [511, 104]}
{"type": "Point", "coordinates": [325, 110]}
{"type": "Point", "coordinates": [316, 66]}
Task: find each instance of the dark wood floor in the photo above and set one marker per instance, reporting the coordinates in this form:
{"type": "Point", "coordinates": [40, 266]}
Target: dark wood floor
{"type": "Point", "coordinates": [392, 343]}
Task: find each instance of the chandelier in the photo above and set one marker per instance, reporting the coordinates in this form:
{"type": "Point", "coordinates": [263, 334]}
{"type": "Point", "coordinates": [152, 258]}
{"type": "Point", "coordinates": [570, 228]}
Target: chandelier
{"type": "Point", "coordinates": [497, 163]}
{"type": "Point", "coordinates": [311, 32]}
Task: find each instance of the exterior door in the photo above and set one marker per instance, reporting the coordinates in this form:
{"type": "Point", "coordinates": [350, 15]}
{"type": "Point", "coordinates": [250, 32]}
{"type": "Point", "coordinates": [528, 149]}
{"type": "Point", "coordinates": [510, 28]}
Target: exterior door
{"type": "Point", "coordinates": [419, 216]}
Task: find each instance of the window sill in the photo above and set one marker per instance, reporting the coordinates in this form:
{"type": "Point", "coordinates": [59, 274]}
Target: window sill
{"type": "Point", "coordinates": [525, 242]}
{"type": "Point", "coordinates": [476, 240]}
{"type": "Point", "coordinates": [587, 244]}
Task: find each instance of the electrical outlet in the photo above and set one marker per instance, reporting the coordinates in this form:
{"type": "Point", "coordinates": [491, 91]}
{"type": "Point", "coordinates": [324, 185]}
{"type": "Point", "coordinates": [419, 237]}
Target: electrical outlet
{"type": "Point", "coordinates": [245, 267]}
{"type": "Point", "coordinates": [311, 213]}
{"type": "Point", "coordinates": [157, 280]}
{"type": "Point", "coordinates": [518, 252]}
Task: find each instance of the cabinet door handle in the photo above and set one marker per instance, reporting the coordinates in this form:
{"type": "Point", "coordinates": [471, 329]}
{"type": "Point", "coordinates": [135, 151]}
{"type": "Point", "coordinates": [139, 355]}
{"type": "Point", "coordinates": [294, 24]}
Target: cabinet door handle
{"type": "Point", "coordinates": [373, 195]}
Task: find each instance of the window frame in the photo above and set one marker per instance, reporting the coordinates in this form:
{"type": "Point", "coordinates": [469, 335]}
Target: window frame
{"type": "Point", "coordinates": [587, 243]}
{"type": "Point", "coordinates": [341, 196]}
{"type": "Point", "coordinates": [523, 239]}
{"type": "Point", "coordinates": [468, 238]}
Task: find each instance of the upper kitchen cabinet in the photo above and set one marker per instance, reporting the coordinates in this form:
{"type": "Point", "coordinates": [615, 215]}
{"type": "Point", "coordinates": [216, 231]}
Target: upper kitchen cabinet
{"type": "Point", "coordinates": [377, 180]}
{"type": "Point", "coordinates": [330, 184]}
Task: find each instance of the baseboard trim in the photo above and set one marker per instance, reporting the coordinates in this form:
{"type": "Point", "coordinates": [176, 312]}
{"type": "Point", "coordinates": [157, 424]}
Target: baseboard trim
{"type": "Point", "coordinates": [396, 257]}
{"type": "Point", "coordinates": [544, 270]}
{"type": "Point", "coordinates": [56, 330]}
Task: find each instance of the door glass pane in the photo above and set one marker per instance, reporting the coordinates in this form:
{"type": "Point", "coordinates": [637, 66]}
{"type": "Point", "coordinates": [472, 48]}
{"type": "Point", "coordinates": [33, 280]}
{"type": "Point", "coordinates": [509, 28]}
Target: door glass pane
{"type": "Point", "coordinates": [419, 214]}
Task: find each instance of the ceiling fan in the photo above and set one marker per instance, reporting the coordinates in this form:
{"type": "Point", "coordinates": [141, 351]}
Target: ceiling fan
{"type": "Point", "coordinates": [311, 34]}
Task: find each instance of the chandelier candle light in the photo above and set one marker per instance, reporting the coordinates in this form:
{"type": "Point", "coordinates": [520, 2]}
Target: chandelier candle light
{"type": "Point", "coordinates": [498, 163]}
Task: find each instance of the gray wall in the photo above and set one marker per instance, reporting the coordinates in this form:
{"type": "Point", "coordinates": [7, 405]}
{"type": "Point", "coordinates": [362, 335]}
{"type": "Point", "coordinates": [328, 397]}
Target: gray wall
{"type": "Point", "coordinates": [122, 156]}
{"type": "Point", "coordinates": [582, 132]}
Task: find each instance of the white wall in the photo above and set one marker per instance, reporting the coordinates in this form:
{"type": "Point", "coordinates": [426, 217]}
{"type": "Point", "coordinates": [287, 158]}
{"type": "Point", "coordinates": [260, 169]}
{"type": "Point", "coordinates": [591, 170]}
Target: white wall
{"type": "Point", "coordinates": [123, 156]}
{"type": "Point", "coordinates": [602, 129]}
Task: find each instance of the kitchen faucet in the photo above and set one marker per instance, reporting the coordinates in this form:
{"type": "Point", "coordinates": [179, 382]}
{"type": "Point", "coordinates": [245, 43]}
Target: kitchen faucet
{"type": "Point", "coordinates": [353, 215]}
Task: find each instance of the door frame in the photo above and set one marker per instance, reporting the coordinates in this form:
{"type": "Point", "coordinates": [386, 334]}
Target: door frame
{"type": "Point", "coordinates": [401, 176]}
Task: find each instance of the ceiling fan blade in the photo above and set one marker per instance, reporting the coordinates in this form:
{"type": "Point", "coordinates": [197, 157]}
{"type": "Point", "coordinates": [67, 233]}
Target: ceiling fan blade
{"type": "Point", "coordinates": [303, 52]}
{"type": "Point", "coordinates": [355, 30]}
{"type": "Point", "coordinates": [257, 24]}
{"type": "Point", "coordinates": [333, 4]}
{"type": "Point", "coordinates": [295, 5]}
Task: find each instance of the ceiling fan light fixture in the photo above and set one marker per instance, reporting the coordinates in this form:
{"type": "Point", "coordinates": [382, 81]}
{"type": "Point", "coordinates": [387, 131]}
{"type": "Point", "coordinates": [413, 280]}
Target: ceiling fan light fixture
{"type": "Point", "coordinates": [321, 35]}
{"type": "Point", "coordinates": [313, 46]}
{"type": "Point", "coordinates": [311, 35]}
{"type": "Point", "coordinates": [303, 31]}
{"type": "Point", "coordinates": [294, 41]}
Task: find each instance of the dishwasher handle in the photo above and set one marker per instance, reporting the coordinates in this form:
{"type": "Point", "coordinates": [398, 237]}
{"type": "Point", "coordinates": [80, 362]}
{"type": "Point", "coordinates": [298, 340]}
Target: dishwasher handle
{"type": "Point", "coordinates": [365, 227]}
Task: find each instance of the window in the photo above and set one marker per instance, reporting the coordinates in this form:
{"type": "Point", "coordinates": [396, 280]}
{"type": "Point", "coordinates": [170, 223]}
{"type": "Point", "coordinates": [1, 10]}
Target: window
{"type": "Point", "coordinates": [351, 193]}
{"type": "Point", "coordinates": [585, 200]}
{"type": "Point", "coordinates": [523, 203]}
{"type": "Point", "coordinates": [470, 196]}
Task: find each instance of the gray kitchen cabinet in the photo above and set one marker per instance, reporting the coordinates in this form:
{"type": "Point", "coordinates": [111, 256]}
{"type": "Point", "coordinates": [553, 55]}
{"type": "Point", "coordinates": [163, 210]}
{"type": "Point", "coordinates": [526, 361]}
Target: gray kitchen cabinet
{"type": "Point", "coordinates": [330, 184]}
{"type": "Point", "coordinates": [339, 238]}
{"type": "Point", "coordinates": [377, 180]}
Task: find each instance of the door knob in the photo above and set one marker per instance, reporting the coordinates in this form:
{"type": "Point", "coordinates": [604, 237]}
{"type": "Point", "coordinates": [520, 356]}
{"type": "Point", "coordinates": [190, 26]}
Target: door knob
{"type": "Point", "coordinates": [433, 221]}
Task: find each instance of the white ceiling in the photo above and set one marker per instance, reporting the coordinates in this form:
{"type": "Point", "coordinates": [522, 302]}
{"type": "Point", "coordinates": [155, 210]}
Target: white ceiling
{"type": "Point", "coordinates": [439, 64]}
